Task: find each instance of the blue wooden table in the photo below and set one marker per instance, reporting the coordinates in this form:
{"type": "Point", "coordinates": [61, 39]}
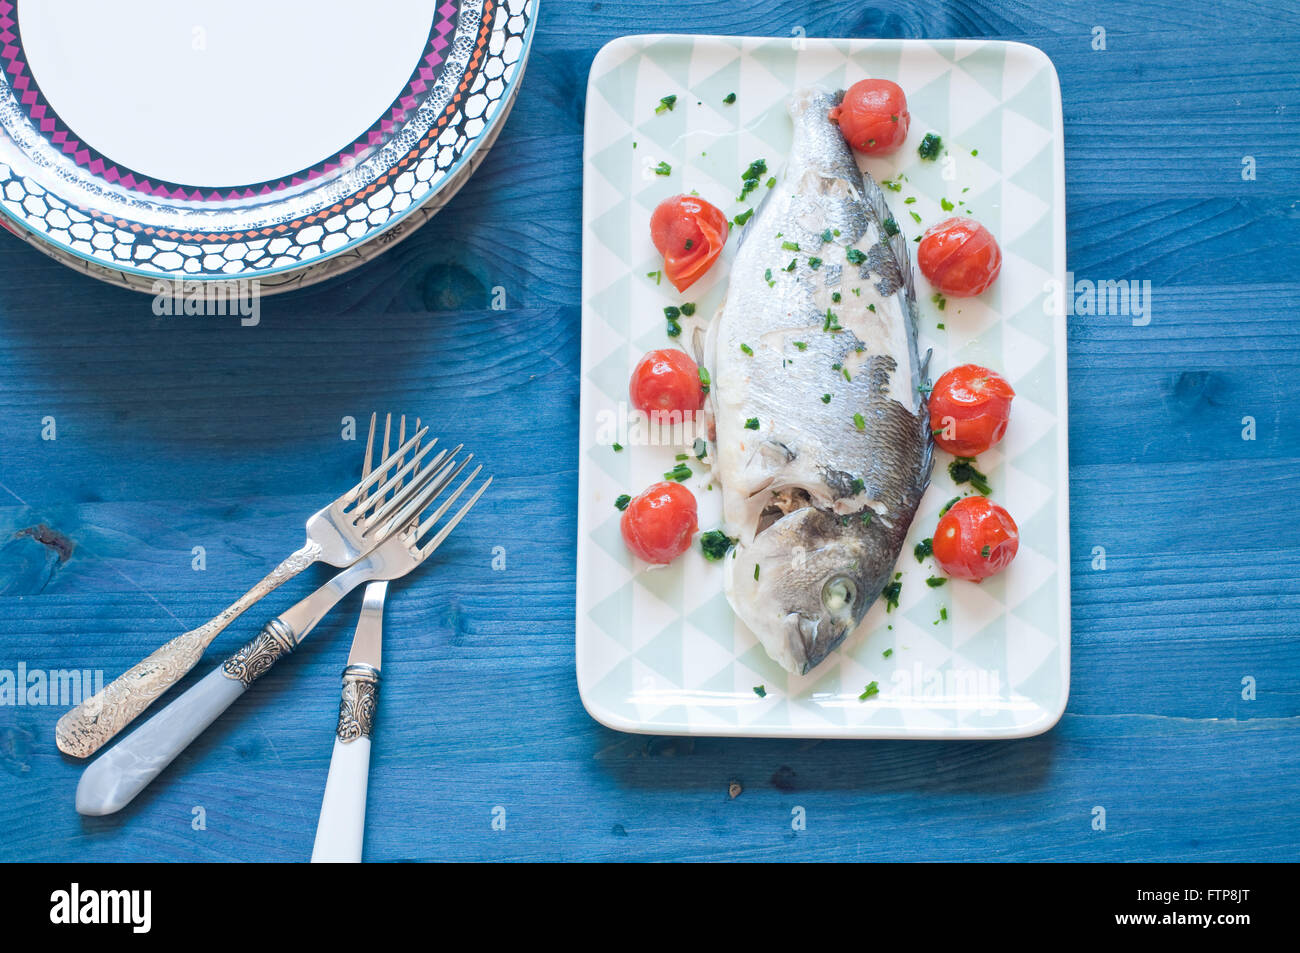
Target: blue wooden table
{"type": "Point", "coordinates": [176, 433]}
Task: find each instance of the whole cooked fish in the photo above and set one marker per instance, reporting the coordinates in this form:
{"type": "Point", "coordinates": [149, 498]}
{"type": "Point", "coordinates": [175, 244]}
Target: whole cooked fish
{"type": "Point", "coordinates": [823, 445]}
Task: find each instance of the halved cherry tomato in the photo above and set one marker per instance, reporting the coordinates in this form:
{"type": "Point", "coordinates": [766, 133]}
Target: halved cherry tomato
{"type": "Point", "coordinates": [659, 523]}
{"type": "Point", "coordinates": [969, 409]}
{"type": "Point", "coordinates": [959, 256]}
{"type": "Point", "coordinates": [666, 380]}
{"type": "Point", "coordinates": [873, 116]}
{"type": "Point", "coordinates": [689, 233]}
{"type": "Point", "coordinates": [975, 539]}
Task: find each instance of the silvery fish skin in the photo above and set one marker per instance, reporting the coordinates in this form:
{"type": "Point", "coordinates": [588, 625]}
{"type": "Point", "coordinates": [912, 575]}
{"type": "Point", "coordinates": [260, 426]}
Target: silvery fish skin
{"type": "Point", "coordinates": [820, 506]}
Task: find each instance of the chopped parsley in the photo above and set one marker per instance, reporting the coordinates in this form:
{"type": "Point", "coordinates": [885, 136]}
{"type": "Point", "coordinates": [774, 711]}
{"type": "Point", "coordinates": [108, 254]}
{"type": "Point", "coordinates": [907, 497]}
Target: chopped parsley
{"type": "Point", "coordinates": [916, 218]}
{"type": "Point", "coordinates": [826, 235]}
{"type": "Point", "coordinates": [618, 447]}
{"type": "Point", "coordinates": [666, 104]}
{"type": "Point", "coordinates": [744, 216]}
{"type": "Point", "coordinates": [945, 205]}
{"type": "Point", "coordinates": [939, 300]}
{"type": "Point", "coordinates": [886, 653]}
{"type": "Point", "coordinates": [832, 323]}
{"type": "Point", "coordinates": [923, 549]}
{"type": "Point", "coordinates": [759, 690]}
{"type": "Point", "coordinates": [801, 345]}
{"type": "Point", "coordinates": [767, 275]}
{"type": "Point", "coordinates": [729, 98]}
{"type": "Point", "coordinates": [826, 398]}
{"type": "Point", "coordinates": [934, 582]}
{"type": "Point", "coordinates": [858, 485]}
{"type": "Point", "coordinates": [891, 226]}
{"type": "Point", "coordinates": [909, 200]}
{"type": "Point", "coordinates": [985, 552]}
{"type": "Point", "coordinates": [790, 246]}
{"type": "Point", "coordinates": [943, 615]}
{"type": "Point", "coordinates": [855, 256]}
{"type": "Point", "coordinates": [663, 168]}
{"type": "Point", "coordinates": [746, 349]}
{"type": "Point", "coordinates": [869, 691]}
{"type": "Point", "coordinates": [929, 147]}
{"type": "Point", "coordinates": [891, 593]}
{"type": "Point", "coordinates": [835, 297]}
{"type": "Point", "coordinates": [859, 422]}
{"type": "Point", "coordinates": [814, 263]}
{"type": "Point", "coordinates": [751, 423]}
{"type": "Point", "coordinates": [656, 275]}
{"type": "Point", "coordinates": [790, 267]}
{"type": "Point", "coordinates": [688, 308]}
{"type": "Point", "coordinates": [749, 178]}
{"type": "Point", "coordinates": [715, 544]}
{"type": "Point", "coordinates": [705, 380]}
{"type": "Point", "coordinates": [680, 473]}
{"type": "Point", "coordinates": [771, 182]}
{"type": "Point", "coordinates": [622, 501]}
{"type": "Point", "coordinates": [947, 506]}
{"type": "Point", "coordinates": [962, 470]}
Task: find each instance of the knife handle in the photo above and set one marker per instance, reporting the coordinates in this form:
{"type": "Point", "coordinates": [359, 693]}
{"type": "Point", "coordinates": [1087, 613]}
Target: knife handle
{"type": "Point", "coordinates": [114, 778]}
{"type": "Point", "coordinates": [341, 828]}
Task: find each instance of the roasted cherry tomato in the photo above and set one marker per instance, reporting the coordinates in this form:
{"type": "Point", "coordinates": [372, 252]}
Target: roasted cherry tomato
{"type": "Point", "coordinates": [689, 233]}
{"type": "Point", "coordinates": [659, 523]}
{"type": "Point", "coordinates": [975, 539]}
{"type": "Point", "coordinates": [959, 256]}
{"type": "Point", "coordinates": [873, 116]}
{"type": "Point", "coordinates": [969, 409]}
{"type": "Point", "coordinates": [666, 380]}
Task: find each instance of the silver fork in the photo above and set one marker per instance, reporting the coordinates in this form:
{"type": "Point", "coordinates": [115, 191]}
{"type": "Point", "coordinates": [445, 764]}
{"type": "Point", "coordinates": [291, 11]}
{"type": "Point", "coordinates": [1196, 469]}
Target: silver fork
{"type": "Point", "coordinates": [340, 829]}
{"type": "Point", "coordinates": [117, 776]}
{"type": "Point", "coordinates": [339, 534]}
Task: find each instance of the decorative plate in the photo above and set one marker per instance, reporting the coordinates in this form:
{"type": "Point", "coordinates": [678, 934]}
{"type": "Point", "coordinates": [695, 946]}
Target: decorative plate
{"type": "Point", "coordinates": [660, 650]}
{"type": "Point", "coordinates": [220, 140]}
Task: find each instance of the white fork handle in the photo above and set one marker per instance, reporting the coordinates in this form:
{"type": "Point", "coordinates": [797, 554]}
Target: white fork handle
{"type": "Point", "coordinates": [342, 825]}
{"type": "Point", "coordinates": [117, 776]}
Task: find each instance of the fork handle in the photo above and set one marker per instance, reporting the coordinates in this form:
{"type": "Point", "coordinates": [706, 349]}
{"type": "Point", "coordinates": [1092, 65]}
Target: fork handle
{"type": "Point", "coordinates": [88, 727]}
{"type": "Point", "coordinates": [341, 828]}
{"type": "Point", "coordinates": [113, 779]}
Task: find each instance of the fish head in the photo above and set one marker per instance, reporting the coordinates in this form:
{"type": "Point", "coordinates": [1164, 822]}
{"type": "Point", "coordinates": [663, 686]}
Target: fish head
{"type": "Point", "coordinates": [805, 582]}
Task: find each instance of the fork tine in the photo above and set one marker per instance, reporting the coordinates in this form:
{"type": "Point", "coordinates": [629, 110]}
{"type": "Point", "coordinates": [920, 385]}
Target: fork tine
{"type": "Point", "coordinates": [370, 449]}
{"type": "Point", "coordinates": [385, 465]}
{"type": "Point", "coordinates": [460, 513]}
{"type": "Point", "coordinates": [428, 523]}
{"type": "Point", "coordinates": [431, 482]}
{"type": "Point", "coordinates": [377, 500]}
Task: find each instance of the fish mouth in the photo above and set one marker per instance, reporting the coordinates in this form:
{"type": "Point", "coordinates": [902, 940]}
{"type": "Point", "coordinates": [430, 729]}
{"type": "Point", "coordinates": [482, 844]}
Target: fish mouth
{"type": "Point", "coordinates": [811, 640]}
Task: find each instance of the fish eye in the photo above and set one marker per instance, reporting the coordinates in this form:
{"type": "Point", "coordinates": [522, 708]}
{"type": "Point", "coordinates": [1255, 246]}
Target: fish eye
{"type": "Point", "coordinates": [839, 594]}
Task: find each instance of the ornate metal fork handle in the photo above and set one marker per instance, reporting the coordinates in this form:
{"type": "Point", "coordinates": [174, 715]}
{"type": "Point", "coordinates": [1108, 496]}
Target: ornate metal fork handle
{"type": "Point", "coordinates": [85, 729]}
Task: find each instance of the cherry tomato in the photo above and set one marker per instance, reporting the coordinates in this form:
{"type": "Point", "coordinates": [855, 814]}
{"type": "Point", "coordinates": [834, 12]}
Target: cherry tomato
{"type": "Point", "coordinates": [659, 523]}
{"type": "Point", "coordinates": [689, 233]}
{"type": "Point", "coordinates": [873, 116]}
{"type": "Point", "coordinates": [666, 380]}
{"type": "Point", "coordinates": [969, 409]}
{"type": "Point", "coordinates": [959, 256]}
{"type": "Point", "coordinates": [975, 539]}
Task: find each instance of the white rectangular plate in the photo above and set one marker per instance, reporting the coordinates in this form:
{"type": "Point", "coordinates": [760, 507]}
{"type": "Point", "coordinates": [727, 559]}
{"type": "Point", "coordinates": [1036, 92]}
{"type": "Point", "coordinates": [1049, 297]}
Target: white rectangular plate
{"type": "Point", "coordinates": [660, 650]}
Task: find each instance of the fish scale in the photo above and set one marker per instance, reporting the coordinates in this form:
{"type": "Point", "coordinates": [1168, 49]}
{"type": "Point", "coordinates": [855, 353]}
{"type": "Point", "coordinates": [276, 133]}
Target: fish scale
{"type": "Point", "coordinates": [818, 493]}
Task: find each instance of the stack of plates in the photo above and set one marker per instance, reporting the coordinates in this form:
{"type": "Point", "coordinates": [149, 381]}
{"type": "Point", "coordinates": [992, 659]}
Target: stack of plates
{"type": "Point", "coordinates": [220, 141]}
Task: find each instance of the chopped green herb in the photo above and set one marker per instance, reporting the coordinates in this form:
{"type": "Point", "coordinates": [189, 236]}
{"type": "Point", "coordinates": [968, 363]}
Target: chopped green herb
{"type": "Point", "coordinates": [790, 267]}
{"type": "Point", "coordinates": [744, 216]}
{"type": "Point", "coordinates": [689, 243]}
{"type": "Point", "coordinates": [934, 582]}
{"type": "Point", "coordinates": [893, 186]}
{"type": "Point", "coordinates": [790, 246]}
{"type": "Point", "coordinates": [916, 218]}
{"type": "Point", "coordinates": [891, 226]}
{"type": "Point", "coordinates": [656, 275]}
{"type": "Point", "coordinates": [771, 182]}
{"type": "Point", "coordinates": [890, 594]}
{"type": "Point", "coordinates": [729, 98]}
{"type": "Point", "coordinates": [962, 470]}
{"type": "Point", "coordinates": [859, 422]}
{"type": "Point", "coordinates": [814, 263]}
{"type": "Point", "coordinates": [801, 345]}
{"type": "Point", "coordinates": [667, 103]}
{"type": "Point", "coordinates": [826, 398]}
{"type": "Point", "coordinates": [855, 256]}
{"type": "Point", "coordinates": [941, 326]}
{"type": "Point", "coordinates": [749, 178]}
{"type": "Point", "coordinates": [760, 691]}
{"type": "Point", "coordinates": [622, 501]}
{"type": "Point", "coordinates": [930, 146]}
{"type": "Point", "coordinates": [943, 614]}
{"type": "Point", "coordinates": [923, 549]}
{"type": "Point", "coordinates": [835, 297]}
{"type": "Point", "coordinates": [755, 572]}
{"type": "Point", "coordinates": [974, 152]}
{"type": "Point", "coordinates": [705, 380]}
{"type": "Point", "coordinates": [768, 276]}
{"type": "Point", "coordinates": [747, 349]}
{"type": "Point", "coordinates": [618, 447]}
{"type": "Point", "coordinates": [939, 300]}
{"type": "Point", "coordinates": [945, 205]}
{"type": "Point", "coordinates": [681, 456]}
{"type": "Point", "coordinates": [715, 544]}
{"type": "Point", "coordinates": [688, 308]}
{"type": "Point", "coordinates": [985, 552]}
{"type": "Point", "coordinates": [672, 312]}
{"type": "Point", "coordinates": [858, 485]}
{"type": "Point", "coordinates": [826, 235]}
{"type": "Point", "coordinates": [679, 473]}
{"type": "Point", "coordinates": [909, 200]}
{"type": "Point", "coordinates": [751, 423]}
{"type": "Point", "coordinates": [869, 691]}
{"type": "Point", "coordinates": [886, 653]}
{"type": "Point", "coordinates": [947, 506]}
{"type": "Point", "coordinates": [663, 168]}
{"type": "Point", "coordinates": [700, 448]}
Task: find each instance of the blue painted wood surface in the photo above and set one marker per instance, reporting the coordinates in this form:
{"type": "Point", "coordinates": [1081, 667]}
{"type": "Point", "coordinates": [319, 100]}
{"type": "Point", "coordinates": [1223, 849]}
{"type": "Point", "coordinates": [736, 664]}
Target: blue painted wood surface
{"type": "Point", "coordinates": [176, 433]}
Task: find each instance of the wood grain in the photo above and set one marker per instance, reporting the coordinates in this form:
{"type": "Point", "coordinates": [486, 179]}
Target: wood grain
{"type": "Point", "coordinates": [176, 433]}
